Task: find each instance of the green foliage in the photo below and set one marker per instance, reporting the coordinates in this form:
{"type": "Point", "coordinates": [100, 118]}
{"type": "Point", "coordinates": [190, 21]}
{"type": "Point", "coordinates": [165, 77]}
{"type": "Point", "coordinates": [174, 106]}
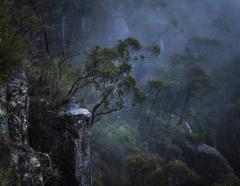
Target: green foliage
{"type": "Point", "coordinates": [176, 173]}
{"type": "Point", "coordinates": [43, 83]}
{"type": "Point", "coordinates": [116, 136]}
{"type": "Point", "coordinates": [139, 96]}
{"type": "Point", "coordinates": [161, 85]}
{"type": "Point", "coordinates": [199, 81]}
{"type": "Point", "coordinates": [17, 26]}
{"type": "Point", "coordinates": [9, 176]}
{"type": "Point", "coordinates": [191, 71]}
{"type": "Point", "coordinates": [140, 168]}
{"type": "Point", "coordinates": [11, 43]}
{"type": "Point", "coordinates": [112, 142]}
{"type": "Point", "coordinates": [145, 170]}
{"type": "Point", "coordinates": [97, 182]}
{"type": "Point", "coordinates": [229, 180]}
{"type": "Point", "coordinates": [109, 69]}
{"type": "Point", "coordinates": [104, 72]}
{"type": "Point", "coordinates": [141, 163]}
{"type": "Point", "coordinates": [155, 84]}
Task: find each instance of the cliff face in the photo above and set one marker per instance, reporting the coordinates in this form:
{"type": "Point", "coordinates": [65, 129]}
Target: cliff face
{"type": "Point", "coordinates": [77, 118]}
{"type": "Point", "coordinates": [43, 148]}
{"type": "Point", "coordinates": [21, 158]}
{"type": "Point", "coordinates": [64, 137]}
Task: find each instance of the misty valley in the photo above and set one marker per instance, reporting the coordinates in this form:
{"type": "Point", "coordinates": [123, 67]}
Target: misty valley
{"type": "Point", "coordinates": [119, 93]}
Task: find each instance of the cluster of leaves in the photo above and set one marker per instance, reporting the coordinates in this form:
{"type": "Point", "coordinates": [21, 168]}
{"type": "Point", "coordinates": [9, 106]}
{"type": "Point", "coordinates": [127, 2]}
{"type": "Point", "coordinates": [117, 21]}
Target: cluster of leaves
{"type": "Point", "coordinates": [110, 71]}
{"type": "Point", "coordinates": [151, 170]}
{"type": "Point", "coordinates": [194, 76]}
{"type": "Point", "coordinates": [195, 82]}
{"type": "Point", "coordinates": [17, 32]}
{"type": "Point", "coordinates": [140, 168]}
{"type": "Point", "coordinates": [145, 170]}
{"type": "Point", "coordinates": [229, 180]}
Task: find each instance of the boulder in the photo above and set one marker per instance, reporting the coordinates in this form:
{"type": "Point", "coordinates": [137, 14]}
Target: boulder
{"type": "Point", "coordinates": [206, 160]}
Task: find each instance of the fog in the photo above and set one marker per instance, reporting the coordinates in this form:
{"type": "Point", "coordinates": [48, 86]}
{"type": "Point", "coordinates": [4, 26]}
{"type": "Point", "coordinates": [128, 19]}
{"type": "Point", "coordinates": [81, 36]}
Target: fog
{"type": "Point", "coordinates": [120, 92]}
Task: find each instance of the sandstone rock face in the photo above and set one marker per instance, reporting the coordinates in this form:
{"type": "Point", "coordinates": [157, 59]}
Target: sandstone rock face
{"type": "Point", "coordinates": [14, 105]}
{"type": "Point", "coordinates": [62, 139]}
{"type": "Point", "coordinates": [78, 118]}
{"type": "Point", "coordinates": [65, 136]}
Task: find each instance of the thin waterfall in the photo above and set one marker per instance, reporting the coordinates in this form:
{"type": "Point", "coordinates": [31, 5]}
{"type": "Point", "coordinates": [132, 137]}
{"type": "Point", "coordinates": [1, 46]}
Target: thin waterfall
{"type": "Point", "coordinates": [188, 128]}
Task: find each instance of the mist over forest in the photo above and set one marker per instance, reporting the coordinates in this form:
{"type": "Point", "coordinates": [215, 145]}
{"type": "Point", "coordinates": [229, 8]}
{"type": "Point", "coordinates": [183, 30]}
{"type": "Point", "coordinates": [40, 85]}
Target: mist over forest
{"type": "Point", "coordinates": [119, 93]}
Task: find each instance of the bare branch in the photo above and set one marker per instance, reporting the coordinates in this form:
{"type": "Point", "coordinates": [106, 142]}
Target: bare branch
{"type": "Point", "coordinates": [102, 101]}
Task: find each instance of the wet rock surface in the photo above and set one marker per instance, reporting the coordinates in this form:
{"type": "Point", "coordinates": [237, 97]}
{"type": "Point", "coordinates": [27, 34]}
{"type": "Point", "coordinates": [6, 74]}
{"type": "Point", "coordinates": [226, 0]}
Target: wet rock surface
{"type": "Point", "coordinates": [65, 137]}
{"type": "Point", "coordinates": [208, 161]}
{"type": "Point", "coordinates": [78, 117]}
{"type": "Point", "coordinates": [41, 144]}
{"type": "Point", "coordinates": [14, 105]}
